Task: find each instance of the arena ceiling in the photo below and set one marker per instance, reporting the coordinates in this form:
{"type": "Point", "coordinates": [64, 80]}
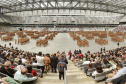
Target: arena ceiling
{"type": "Point", "coordinates": [114, 6]}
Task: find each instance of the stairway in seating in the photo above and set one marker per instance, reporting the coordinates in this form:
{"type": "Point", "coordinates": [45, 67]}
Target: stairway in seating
{"type": "Point", "coordinates": [74, 76]}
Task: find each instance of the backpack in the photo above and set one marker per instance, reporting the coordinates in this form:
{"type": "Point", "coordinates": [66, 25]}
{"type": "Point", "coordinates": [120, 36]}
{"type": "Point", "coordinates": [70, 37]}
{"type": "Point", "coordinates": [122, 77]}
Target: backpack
{"type": "Point", "coordinates": [61, 66]}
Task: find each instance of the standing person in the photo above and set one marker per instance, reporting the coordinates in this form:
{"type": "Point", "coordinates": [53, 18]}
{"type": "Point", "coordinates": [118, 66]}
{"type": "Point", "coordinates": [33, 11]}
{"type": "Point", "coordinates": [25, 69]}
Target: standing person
{"type": "Point", "coordinates": [88, 52]}
{"type": "Point", "coordinates": [81, 56]}
{"type": "Point", "coordinates": [54, 61]}
{"type": "Point", "coordinates": [61, 65]}
{"type": "Point", "coordinates": [80, 51]}
{"type": "Point", "coordinates": [62, 59]}
{"type": "Point", "coordinates": [15, 41]}
{"type": "Point", "coordinates": [75, 52]}
{"type": "Point", "coordinates": [101, 49]}
{"type": "Point", "coordinates": [69, 53]}
{"type": "Point", "coordinates": [40, 62]}
{"type": "Point", "coordinates": [47, 61]}
{"type": "Point", "coordinates": [104, 49]}
{"type": "Point", "coordinates": [58, 53]}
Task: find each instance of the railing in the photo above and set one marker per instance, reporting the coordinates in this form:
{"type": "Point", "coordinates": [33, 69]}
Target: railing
{"type": "Point", "coordinates": [65, 77]}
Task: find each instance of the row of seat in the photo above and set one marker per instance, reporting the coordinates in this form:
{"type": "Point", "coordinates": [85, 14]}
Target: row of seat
{"type": "Point", "coordinates": [98, 77]}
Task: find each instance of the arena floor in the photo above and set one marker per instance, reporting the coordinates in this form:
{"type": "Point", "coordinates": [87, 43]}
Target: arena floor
{"type": "Point", "coordinates": [62, 42]}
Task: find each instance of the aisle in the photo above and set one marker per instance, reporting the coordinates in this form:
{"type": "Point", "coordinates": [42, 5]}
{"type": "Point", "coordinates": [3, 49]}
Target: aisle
{"type": "Point", "coordinates": [74, 76]}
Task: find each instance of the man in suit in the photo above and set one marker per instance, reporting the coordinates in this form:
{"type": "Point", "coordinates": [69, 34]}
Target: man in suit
{"type": "Point", "coordinates": [54, 61]}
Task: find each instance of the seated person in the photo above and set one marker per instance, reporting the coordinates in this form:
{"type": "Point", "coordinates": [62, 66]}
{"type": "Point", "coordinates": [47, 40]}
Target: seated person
{"type": "Point", "coordinates": [98, 70]}
{"type": "Point", "coordinates": [108, 68]}
{"type": "Point", "coordinates": [20, 65]}
{"type": "Point", "coordinates": [34, 63]}
{"type": "Point", "coordinates": [123, 61]}
{"type": "Point", "coordinates": [20, 75]}
{"type": "Point", "coordinates": [116, 74]}
{"type": "Point", "coordinates": [86, 62]}
{"type": "Point", "coordinates": [30, 70]}
{"type": "Point", "coordinates": [12, 65]}
{"type": "Point", "coordinates": [90, 66]}
{"type": "Point", "coordinates": [4, 60]}
{"type": "Point", "coordinates": [98, 63]}
{"type": "Point", "coordinates": [8, 80]}
{"type": "Point", "coordinates": [7, 70]}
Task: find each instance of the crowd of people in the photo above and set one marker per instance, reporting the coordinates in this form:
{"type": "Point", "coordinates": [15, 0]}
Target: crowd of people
{"type": "Point", "coordinates": [16, 64]}
{"type": "Point", "coordinates": [106, 60]}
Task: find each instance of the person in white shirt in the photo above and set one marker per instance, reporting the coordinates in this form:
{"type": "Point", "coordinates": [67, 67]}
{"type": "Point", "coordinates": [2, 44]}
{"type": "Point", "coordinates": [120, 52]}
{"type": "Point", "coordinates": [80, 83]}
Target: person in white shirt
{"type": "Point", "coordinates": [121, 71]}
{"type": "Point", "coordinates": [86, 62]}
{"type": "Point", "coordinates": [24, 60]}
{"type": "Point", "coordinates": [40, 62]}
{"type": "Point", "coordinates": [98, 70]}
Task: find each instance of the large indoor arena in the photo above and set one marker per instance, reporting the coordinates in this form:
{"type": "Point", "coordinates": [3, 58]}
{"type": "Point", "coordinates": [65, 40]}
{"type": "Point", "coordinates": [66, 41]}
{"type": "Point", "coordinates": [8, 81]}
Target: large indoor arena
{"type": "Point", "coordinates": [62, 42]}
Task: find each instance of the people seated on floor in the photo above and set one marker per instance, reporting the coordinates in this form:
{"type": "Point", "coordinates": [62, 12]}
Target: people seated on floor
{"type": "Point", "coordinates": [30, 70]}
{"type": "Point", "coordinates": [117, 73]}
{"type": "Point", "coordinates": [98, 70]}
{"type": "Point", "coordinates": [20, 75]}
{"type": "Point", "coordinates": [7, 70]}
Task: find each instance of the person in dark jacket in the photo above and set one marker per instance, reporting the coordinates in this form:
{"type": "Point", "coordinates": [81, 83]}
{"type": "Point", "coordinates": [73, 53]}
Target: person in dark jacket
{"type": "Point", "coordinates": [54, 61]}
{"type": "Point", "coordinates": [62, 59]}
{"type": "Point", "coordinates": [4, 60]}
{"type": "Point", "coordinates": [7, 70]}
{"type": "Point", "coordinates": [61, 65]}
